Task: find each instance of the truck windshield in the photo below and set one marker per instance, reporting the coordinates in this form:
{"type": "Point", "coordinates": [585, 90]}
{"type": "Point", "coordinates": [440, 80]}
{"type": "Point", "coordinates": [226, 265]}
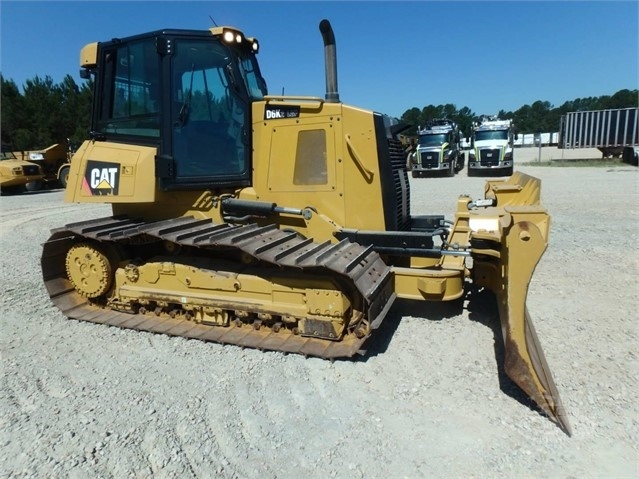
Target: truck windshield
{"type": "Point", "coordinates": [7, 155]}
{"type": "Point", "coordinates": [491, 135]}
{"type": "Point", "coordinates": [435, 139]}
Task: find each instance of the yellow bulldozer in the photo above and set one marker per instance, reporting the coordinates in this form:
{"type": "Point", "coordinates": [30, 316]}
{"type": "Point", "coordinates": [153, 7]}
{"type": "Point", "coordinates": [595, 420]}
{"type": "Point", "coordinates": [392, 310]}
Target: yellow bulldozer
{"type": "Point", "coordinates": [273, 222]}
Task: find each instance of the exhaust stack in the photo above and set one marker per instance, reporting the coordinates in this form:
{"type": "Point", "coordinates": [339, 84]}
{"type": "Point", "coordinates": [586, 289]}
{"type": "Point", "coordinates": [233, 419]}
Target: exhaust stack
{"type": "Point", "coordinates": [330, 60]}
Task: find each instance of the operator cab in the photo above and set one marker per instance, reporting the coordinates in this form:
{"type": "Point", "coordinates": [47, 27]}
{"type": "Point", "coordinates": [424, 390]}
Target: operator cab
{"type": "Point", "coordinates": [188, 93]}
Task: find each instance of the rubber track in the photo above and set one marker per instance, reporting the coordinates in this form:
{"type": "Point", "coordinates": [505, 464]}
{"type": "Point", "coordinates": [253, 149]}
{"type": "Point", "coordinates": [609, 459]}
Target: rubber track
{"type": "Point", "coordinates": [362, 266]}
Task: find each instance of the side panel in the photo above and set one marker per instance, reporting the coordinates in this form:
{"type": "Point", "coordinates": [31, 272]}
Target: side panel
{"type": "Point", "coordinates": [106, 172]}
{"type": "Point", "coordinates": [600, 128]}
{"type": "Point", "coordinates": [363, 138]}
{"type": "Point", "coordinates": [295, 159]}
{"type": "Point", "coordinates": [288, 152]}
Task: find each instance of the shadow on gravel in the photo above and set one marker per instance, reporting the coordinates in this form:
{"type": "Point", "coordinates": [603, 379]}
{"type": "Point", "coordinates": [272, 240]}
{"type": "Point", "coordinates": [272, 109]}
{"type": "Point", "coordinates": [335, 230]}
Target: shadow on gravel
{"type": "Point", "coordinates": [431, 311]}
{"type": "Point", "coordinates": [482, 308]}
{"type": "Point", "coordinates": [12, 192]}
{"type": "Point", "coordinates": [42, 192]}
{"type": "Point", "coordinates": [487, 174]}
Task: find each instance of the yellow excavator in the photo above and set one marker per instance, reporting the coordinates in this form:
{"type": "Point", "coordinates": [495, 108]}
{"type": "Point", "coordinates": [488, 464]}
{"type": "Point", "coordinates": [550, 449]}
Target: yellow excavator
{"type": "Point", "coordinates": [273, 222]}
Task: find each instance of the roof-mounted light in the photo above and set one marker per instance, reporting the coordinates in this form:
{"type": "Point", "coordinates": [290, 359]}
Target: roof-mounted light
{"type": "Point", "coordinates": [232, 36]}
{"type": "Point", "coordinates": [255, 45]}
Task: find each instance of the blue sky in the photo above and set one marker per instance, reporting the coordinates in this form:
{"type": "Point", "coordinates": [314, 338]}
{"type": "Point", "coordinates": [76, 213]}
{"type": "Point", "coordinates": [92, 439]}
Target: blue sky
{"type": "Point", "coordinates": [392, 55]}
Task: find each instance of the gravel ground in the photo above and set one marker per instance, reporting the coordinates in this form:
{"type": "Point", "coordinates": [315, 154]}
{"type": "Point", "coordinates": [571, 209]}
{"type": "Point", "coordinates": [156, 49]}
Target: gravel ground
{"type": "Point", "coordinates": [81, 400]}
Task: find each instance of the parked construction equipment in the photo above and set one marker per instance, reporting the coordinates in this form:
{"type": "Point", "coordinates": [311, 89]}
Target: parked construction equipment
{"type": "Point", "coordinates": [16, 173]}
{"type": "Point", "coordinates": [54, 162]}
{"type": "Point", "coordinates": [269, 221]}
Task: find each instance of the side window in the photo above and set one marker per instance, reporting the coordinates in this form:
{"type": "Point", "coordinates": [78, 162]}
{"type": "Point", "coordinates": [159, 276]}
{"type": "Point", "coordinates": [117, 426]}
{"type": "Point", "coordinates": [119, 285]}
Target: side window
{"type": "Point", "coordinates": [254, 81]}
{"type": "Point", "coordinates": [130, 91]}
{"type": "Point", "coordinates": [310, 159]}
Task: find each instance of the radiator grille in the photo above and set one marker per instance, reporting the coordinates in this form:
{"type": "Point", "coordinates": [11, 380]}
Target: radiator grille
{"type": "Point", "coordinates": [489, 157]}
{"type": "Point", "coordinates": [429, 159]}
{"type": "Point", "coordinates": [30, 170]}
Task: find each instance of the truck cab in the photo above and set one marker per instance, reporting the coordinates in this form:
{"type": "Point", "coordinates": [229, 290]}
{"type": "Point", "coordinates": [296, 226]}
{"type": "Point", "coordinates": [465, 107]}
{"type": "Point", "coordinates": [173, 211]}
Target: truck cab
{"type": "Point", "coordinates": [438, 149]}
{"type": "Point", "coordinates": [492, 147]}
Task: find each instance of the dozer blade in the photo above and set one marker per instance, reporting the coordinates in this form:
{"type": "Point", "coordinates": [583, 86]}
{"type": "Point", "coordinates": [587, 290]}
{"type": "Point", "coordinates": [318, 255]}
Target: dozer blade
{"type": "Point", "coordinates": [524, 359]}
{"type": "Point", "coordinates": [506, 268]}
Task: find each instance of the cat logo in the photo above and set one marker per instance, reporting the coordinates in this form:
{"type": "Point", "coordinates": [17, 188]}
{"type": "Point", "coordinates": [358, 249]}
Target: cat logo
{"type": "Point", "coordinates": [101, 178]}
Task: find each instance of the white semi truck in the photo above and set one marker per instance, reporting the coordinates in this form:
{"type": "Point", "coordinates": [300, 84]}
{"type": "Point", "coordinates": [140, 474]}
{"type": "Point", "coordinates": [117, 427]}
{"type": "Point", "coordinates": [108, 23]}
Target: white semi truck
{"type": "Point", "coordinates": [492, 147]}
{"type": "Point", "coordinates": [438, 149]}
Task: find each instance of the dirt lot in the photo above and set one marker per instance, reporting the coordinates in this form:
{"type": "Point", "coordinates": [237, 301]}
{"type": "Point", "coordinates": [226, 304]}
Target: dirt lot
{"type": "Point", "coordinates": [81, 400]}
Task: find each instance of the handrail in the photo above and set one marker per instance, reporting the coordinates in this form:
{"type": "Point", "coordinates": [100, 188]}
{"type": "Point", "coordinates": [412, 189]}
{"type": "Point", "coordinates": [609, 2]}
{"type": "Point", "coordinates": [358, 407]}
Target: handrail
{"type": "Point", "coordinates": [368, 174]}
{"type": "Point", "coordinates": [285, 98]}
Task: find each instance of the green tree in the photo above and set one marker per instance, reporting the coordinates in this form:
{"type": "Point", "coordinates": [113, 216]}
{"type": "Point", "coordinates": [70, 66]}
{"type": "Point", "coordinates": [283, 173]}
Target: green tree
{"type": "Point", "coordinates": [412, 117]}
{"type": "Point", "coordinates": [42, 101]}
{"type": "Point", "coordinates": [12, 108]}
{"type": "Point", "coordinates": [45, 112]}
{"type": "Point", "coordinates": [464, 119]}
{"type": "Point", "coordinates": [541, 116]}
{"type": "Point", "coordinates": [623, 99]}
{"type": "Point", "coordinates": [76, 111]}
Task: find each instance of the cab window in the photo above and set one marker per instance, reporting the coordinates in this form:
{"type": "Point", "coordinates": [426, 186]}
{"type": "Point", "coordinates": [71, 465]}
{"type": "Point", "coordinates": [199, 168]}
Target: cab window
{"type": "Point", "coordinates": [130, 91]}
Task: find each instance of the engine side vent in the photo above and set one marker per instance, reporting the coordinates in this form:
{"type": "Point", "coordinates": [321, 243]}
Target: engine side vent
{"type": "Point", "coordinates": [401, 184]}
{"type": "Point", "coordinates": [393, 178]}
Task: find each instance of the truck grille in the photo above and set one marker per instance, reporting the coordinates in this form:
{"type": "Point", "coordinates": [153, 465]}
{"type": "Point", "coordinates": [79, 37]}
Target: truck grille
{"type": "Point", "coordinates": [429, 159]}
{"type": "Point", "coordinates": [489, 157]}
{"type": "Point", "coordinates": [31, 170]}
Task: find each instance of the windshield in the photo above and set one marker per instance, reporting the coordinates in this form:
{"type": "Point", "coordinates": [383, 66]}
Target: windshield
{"type": "Point", "coordinates": [7, 155]}
{"type": "Point", "coordinates": [491, 135]}
{"type": "Point", "coordinates": [437, 139]}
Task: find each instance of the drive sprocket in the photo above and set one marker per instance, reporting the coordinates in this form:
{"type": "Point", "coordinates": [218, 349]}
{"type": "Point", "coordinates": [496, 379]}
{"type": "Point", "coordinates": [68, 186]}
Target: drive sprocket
{"type": "Point", "coordinates": [89, 270]}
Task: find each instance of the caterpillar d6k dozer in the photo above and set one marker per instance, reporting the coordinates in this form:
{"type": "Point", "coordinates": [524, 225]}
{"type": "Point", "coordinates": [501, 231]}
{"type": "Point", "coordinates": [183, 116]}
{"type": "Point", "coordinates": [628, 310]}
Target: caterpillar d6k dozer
{"type": "Point", "coordinates": [273, 222]}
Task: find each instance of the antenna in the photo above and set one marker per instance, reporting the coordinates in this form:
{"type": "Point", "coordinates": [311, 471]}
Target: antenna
{"type": "Point", "coordinates": [213, 21]}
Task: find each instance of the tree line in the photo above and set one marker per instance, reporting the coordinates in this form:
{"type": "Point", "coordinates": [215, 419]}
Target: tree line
{"type": "Point", "coordinates": [540, 117]}
{"type": "Point", "coordinates": [44, 112]}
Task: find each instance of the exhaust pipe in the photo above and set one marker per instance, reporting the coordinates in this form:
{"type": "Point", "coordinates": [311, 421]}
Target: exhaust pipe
{"type": "Point", "coordinates": [330, 61]}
